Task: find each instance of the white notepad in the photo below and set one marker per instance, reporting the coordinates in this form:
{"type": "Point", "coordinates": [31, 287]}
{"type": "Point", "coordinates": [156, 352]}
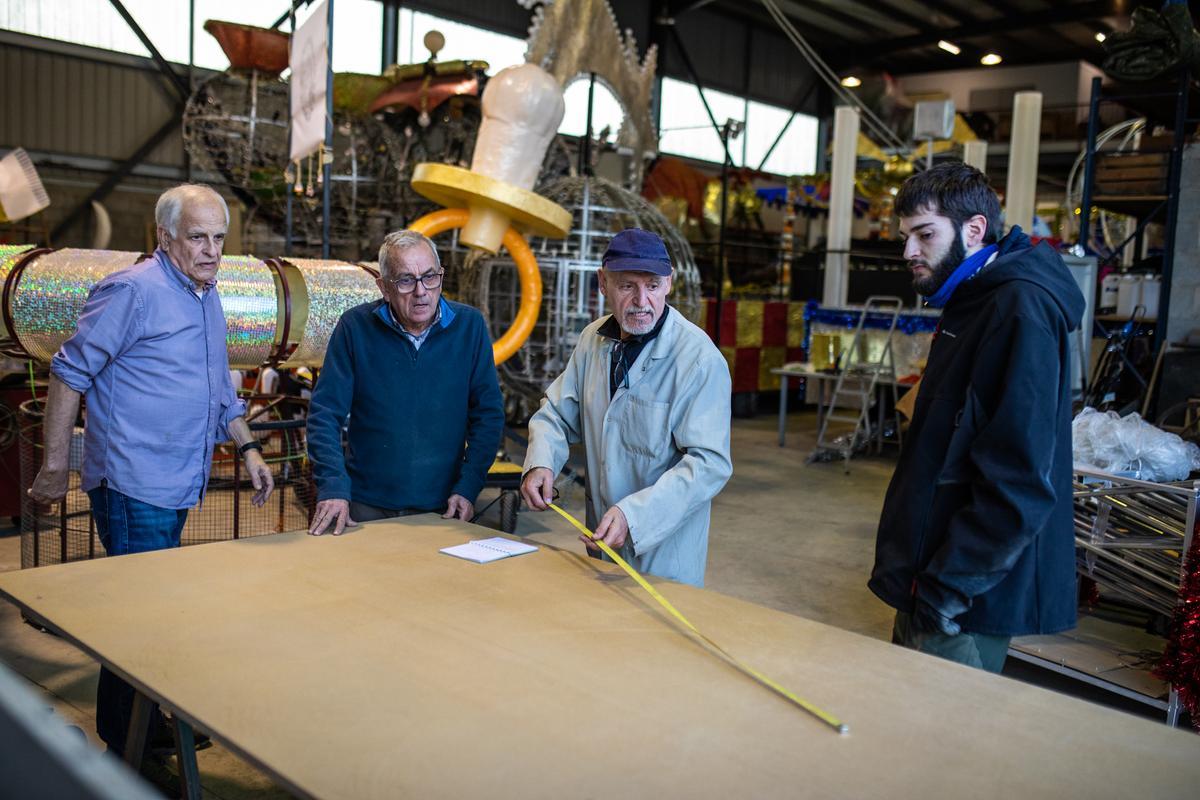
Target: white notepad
{"type": "Point", "coordinates": [482, 551]}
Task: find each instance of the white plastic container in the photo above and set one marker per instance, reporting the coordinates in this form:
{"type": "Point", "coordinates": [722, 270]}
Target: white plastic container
{"type": "Point", "coordinates": [1108, 293]}
{"type": "Point", "coordinates": [1151, 291]}
{"type": "Point", "coordinates": [1129, 294]}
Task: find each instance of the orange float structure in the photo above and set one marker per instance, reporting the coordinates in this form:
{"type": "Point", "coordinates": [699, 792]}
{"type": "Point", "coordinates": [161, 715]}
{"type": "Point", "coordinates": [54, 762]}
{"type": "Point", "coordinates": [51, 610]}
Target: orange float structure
{"type": "Point", "coordinates": [527, 270]}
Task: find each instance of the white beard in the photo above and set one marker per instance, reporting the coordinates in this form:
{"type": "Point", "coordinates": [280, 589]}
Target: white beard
{"type": "Point", "coordinates": [638, 330]}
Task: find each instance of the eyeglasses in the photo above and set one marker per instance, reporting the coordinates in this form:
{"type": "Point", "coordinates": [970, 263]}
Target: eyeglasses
{"type": "Point", "coordinates": [406, 283]}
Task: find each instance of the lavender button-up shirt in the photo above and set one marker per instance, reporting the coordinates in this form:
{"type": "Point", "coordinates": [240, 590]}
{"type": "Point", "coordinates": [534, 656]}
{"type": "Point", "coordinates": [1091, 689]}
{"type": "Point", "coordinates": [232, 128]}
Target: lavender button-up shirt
{"type": "Point", "coordinates": [149, 355]}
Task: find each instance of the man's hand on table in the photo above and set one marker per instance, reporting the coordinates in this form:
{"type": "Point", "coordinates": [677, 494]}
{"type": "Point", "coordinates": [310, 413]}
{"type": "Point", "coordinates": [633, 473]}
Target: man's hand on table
{"type": "Point", "coordinates": [459, 507]}
{"type": "Point", "coordinates": [335, 512]}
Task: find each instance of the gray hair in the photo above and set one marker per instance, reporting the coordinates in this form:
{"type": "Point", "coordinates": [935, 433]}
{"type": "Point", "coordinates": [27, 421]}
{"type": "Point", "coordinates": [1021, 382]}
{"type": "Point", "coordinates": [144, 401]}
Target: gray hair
{"type": "Point", "coordinates": [169, 207]}
{"type": "Point", "coordinates": [403, 240]}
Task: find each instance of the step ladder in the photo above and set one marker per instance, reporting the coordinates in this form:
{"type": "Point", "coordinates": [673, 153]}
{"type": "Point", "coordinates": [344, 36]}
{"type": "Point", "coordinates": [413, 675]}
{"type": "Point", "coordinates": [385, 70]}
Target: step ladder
{"type": "Point", "coordinates": [856, 387]}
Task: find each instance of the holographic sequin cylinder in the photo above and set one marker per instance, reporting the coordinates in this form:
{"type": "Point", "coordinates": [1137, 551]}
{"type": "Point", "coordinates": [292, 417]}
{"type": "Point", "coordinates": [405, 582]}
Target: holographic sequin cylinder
{"type": "Point", "coordinates": [332, 288]}
{"type": "Point", "coordinates": [8, 257]}
{"type": "Point", "coordinates": [50, 292]}
{"type": "Point", "coordinates": [250, 300]}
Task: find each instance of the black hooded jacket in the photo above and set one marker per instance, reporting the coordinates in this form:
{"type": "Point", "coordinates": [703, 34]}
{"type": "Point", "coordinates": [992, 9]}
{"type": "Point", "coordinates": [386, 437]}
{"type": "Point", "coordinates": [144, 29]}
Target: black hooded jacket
{"type": "Point", "coordinates": [978, 520]}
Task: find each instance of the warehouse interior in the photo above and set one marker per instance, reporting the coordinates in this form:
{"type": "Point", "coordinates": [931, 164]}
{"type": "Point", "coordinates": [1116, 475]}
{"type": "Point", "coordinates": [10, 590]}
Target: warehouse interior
{"type": "Point", "coordinates": [767, 145]}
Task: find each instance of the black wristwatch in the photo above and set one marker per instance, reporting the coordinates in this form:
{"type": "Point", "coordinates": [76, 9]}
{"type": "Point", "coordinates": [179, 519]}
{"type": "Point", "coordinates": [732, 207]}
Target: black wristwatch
{"type": "Point", "coordinates": [253, 444]}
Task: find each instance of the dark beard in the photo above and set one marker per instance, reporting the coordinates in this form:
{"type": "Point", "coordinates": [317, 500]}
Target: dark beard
{"type": "Point", "coordinates": [941, 271]}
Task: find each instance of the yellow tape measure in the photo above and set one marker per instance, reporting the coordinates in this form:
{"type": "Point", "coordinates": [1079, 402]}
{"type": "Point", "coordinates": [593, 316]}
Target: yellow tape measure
{"type": "Point", "coordinates": [792, 697]}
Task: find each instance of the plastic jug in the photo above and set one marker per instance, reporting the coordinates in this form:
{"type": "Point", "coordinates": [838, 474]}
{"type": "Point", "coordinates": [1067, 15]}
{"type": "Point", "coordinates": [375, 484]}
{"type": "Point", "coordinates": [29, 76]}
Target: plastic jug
{"type": "Point", "coordinates": [1129, 294]}
{"type": "Point", "coordinates": [1151, 290]}
{"type": "Point", "coordinates": [1108, 293]}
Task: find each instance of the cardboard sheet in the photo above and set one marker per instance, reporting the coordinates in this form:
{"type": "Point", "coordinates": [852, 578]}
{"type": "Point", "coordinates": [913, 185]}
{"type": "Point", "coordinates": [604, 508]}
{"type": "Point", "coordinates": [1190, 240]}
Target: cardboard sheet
{"type": "Point", "coordinates": [370, 665]}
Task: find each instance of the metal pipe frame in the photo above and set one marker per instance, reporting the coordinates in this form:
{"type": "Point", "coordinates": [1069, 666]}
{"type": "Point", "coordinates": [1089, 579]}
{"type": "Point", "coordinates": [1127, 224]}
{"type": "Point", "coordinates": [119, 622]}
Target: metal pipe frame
{"type": "Point", "coordinates": [1089, 169]}
{"type": "Point", "coordinates": [687, 63]}
{"type": "Point", "coordinates": [327, 155]}
{"type": "Point", "coordinates": [1173, 180]}
{"type": "Point", "coordinates": [391, 34]}
{"type": "Point", "coordinates": [808, 92]}
{"type": "Point", "coordinates": [289, 14]}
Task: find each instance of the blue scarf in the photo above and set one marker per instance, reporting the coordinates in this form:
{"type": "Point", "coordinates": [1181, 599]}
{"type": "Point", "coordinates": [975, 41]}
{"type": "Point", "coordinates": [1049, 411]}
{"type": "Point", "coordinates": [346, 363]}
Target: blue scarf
{"type": "Point", "coordinates": [965, 271]}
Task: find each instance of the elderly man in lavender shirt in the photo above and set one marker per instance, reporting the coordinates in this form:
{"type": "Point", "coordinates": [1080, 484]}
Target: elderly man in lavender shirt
{"type": "Point", "coordinates": [149, 355]}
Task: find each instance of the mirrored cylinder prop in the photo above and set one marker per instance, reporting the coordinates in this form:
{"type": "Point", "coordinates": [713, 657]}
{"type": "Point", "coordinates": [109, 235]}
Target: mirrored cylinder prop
{"type": "Point", "coordinates": [318, 293]}
{"type": "Point", "coordinates": [249, 292]}
{"type": "Point", "coordinates": [9, 256]}
{"type": "Point", "coordinates": [45, 294]}
{"type": "Point", "coordinates": [277, 311]}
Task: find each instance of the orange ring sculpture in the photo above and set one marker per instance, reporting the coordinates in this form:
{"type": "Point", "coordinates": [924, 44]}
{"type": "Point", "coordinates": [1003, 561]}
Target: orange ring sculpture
{"type": "Point", "coordinates": [503, 348]}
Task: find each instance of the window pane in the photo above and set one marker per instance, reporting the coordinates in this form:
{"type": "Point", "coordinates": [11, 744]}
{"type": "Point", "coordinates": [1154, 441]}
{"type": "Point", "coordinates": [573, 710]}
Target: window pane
{"type": "Point", "coordinates": [357, 31]}
{"type": "Point", "coordinates": [796, 153]}
{"type": "Point", "coordinates": [357, 27]}
{"type": "Point", "coordinates": [686, 129]}
{"type": "Point", "coordinates": [606, 109]}
{"type": "Point", "coordinates": [97, 24]}
{"type": "Point", "coordinates": [463, 41]}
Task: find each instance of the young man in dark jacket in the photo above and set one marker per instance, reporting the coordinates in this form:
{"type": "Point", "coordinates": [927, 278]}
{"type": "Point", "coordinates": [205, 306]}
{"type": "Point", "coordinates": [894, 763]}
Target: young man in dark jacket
{"type": "Point", "coordinates": [975, 544]}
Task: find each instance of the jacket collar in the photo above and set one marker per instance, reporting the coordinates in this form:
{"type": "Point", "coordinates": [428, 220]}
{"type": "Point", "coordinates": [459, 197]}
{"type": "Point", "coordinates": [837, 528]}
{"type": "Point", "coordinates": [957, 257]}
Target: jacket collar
{"type": "Point", "coordinates": [660, 346]}
{"type": "Point", "coordinates": [445, 315]}
{"type": "Point", "coordinates": [657, 348]}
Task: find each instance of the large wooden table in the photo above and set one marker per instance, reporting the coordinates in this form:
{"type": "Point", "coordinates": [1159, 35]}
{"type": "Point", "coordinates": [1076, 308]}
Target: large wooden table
{"type": "Point", "coordinates": [370, 665]}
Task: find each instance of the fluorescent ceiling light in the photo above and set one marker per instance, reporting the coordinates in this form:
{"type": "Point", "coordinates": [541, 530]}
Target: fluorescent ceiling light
{"type": "Point", "coordinates": [949, 47]}
{"type": "Point", "coordinates": [990, 60]}
{"type": "Point", "coordinates": [851, 82]}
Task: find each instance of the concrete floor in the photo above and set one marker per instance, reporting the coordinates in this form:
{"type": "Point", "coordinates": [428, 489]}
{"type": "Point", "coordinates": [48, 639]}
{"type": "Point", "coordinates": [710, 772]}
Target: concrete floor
{"type": "Point", "coordinates": [792, 536]}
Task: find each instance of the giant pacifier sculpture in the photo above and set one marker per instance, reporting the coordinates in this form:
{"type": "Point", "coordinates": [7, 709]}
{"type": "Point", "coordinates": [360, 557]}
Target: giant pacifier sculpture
{"type": "Point", "coordinates": [493, 202]}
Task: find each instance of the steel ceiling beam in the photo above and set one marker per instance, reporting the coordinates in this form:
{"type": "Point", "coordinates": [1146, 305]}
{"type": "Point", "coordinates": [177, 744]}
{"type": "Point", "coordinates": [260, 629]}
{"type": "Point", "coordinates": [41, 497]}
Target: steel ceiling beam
{"type": "Point", "coordinates": [173, 78]}
{"type": "Point", "coordinates": [800, 12]}
{"type": "Point", "coordinates": [678, 8]}
{"type": "Point", "coordinates": [952, 13]}
{"type": "Point", "coordinates": [1078, 12]}
{"type": "Point", "coordinates": [888, 7]}
{"type": "Point", "coordinates": [291, 10]}
{"type": "Point", "coordinates": [121, 172]}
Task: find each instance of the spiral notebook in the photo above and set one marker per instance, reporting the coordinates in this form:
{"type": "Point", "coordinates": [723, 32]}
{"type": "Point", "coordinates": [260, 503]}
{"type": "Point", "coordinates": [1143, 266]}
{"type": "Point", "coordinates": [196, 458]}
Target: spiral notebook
{"type": "Point", "coordinates": [481, 551]}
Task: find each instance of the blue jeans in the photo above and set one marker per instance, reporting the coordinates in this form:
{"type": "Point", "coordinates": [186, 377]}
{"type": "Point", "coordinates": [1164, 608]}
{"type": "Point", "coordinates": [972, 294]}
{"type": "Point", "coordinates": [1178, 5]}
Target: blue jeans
{"type": "Point", "coordinates": [126, 525]}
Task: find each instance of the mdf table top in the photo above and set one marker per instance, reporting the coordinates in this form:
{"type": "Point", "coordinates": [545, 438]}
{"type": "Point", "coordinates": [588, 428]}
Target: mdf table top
{"type": "Point", "coordinates": [371, 665]}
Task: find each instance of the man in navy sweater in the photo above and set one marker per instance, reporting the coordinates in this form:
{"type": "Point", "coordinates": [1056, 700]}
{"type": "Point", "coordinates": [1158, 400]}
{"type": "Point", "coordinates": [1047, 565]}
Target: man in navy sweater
{"type": "Point", "coordinates": [413, 374]}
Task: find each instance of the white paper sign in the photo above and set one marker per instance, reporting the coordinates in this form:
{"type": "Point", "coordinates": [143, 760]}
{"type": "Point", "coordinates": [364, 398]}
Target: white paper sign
{"type": "Point", "coordinates": [309, 68]}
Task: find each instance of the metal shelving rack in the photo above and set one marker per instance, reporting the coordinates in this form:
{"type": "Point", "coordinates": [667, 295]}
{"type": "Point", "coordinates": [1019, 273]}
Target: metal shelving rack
{"type": "Point", "coordinates": [1145, 208]}
{"type": "Point", "coordinates": [1131, 537]}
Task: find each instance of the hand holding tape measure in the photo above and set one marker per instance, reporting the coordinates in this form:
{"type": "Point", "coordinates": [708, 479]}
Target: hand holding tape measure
{"type": "Point", "coordinates": [787, 694]}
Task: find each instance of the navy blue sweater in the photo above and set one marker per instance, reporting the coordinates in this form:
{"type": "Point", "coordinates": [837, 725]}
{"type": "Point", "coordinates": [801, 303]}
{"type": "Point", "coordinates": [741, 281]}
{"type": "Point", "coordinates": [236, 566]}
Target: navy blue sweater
{"type": "Point", "coordinates": [423, 424]}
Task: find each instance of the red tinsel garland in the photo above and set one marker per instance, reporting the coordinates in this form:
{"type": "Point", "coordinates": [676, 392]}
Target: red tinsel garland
{"type": "Point", "coordinates": [1180, 662]}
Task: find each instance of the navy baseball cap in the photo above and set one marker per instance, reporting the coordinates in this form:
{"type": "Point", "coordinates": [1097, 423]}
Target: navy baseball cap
{"type": "Point", "coordinates": [636, 249]}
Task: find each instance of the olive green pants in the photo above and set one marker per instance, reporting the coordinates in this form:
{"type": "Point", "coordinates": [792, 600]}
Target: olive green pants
{"type": "Point", "coordinates": [977, 650]}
